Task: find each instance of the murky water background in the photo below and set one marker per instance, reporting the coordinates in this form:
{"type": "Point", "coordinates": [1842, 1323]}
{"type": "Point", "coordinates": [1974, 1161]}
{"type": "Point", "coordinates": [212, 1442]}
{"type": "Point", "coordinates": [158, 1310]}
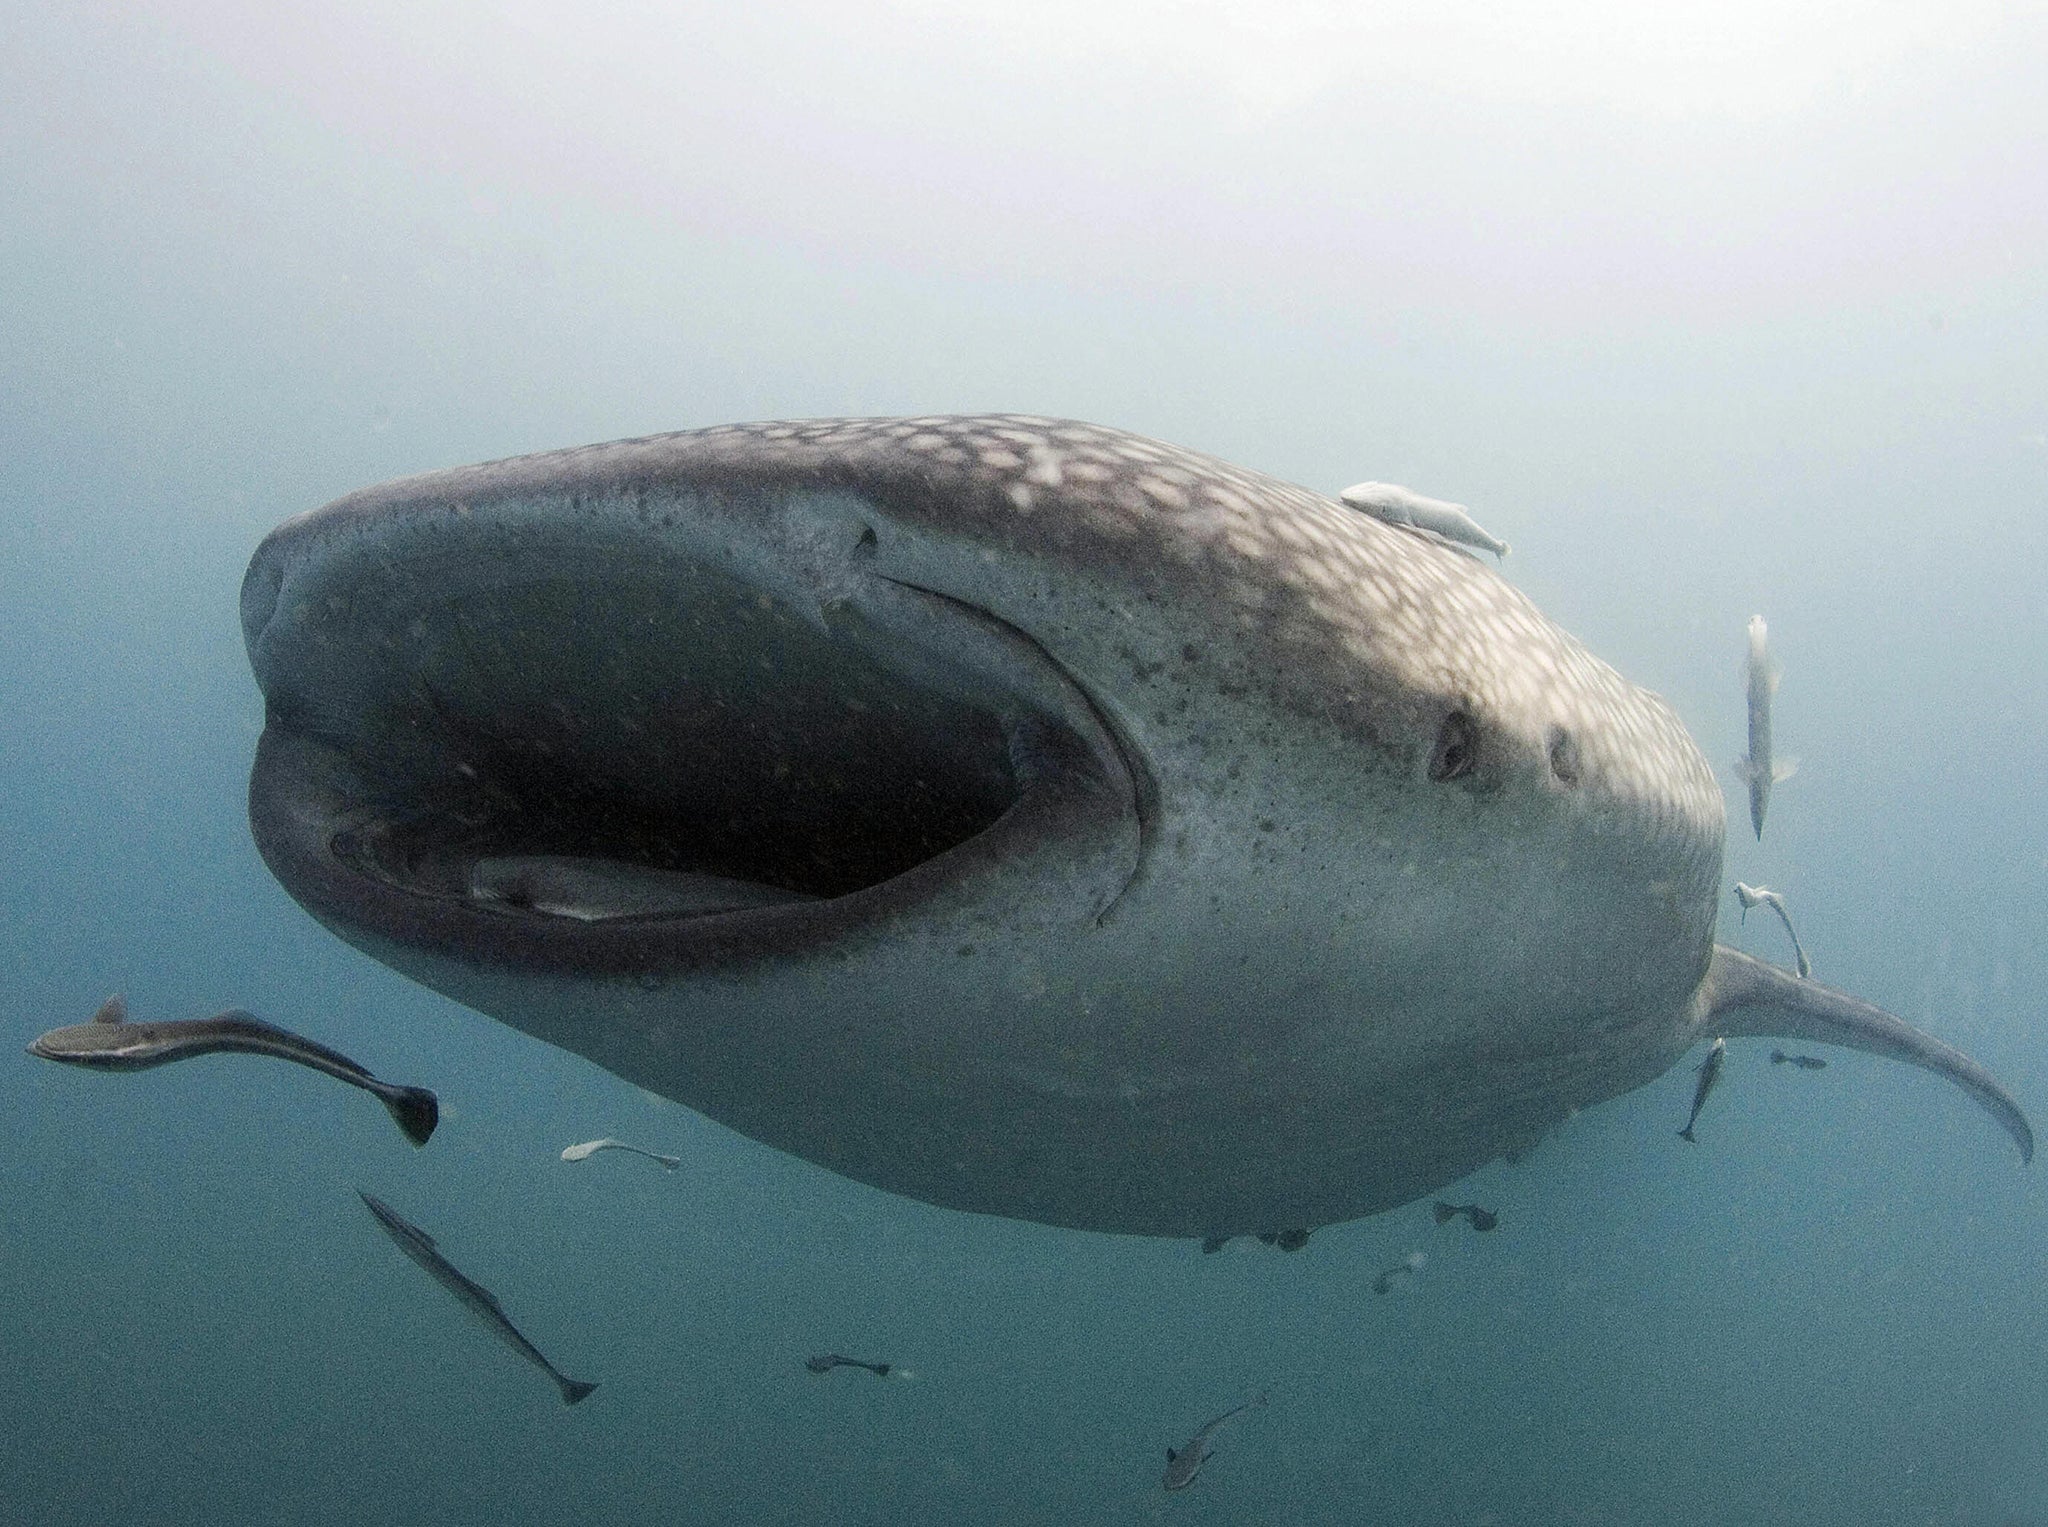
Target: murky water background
{"type": "Point", "coordinates": [1751, 317]}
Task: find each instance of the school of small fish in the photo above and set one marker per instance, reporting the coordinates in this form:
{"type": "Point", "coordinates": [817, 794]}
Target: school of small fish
{"type": "Point", "coordinates": [1759, 771]}
{"type": "Point", "coordinates": [110, 1042]}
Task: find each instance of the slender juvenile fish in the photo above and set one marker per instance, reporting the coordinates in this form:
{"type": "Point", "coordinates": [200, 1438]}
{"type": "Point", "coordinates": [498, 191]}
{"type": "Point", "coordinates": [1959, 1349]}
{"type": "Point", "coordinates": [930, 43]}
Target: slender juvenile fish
{"type": "Point", "coordinates": [1803, 1062]}
{"type": "Point", "coordinates": [830, 1360]}
{"type": "Point", "coordinates": [590, 1148]}
{"type": "Point", "coordinates": [477, 1299]}
{"type": "Point", "coordinates": [1758, 896]}
{"type": "Point", "coordinates": [1710, 1073]}
{"type": "Point", "coordinates": [1482, 1219]}
{"type": "Point", "coordinates": [111, 1043]}
{"type": "Point", "coordinates": [1184, 1464]}
{"type": "Point", "coordinates": [1757, 766]}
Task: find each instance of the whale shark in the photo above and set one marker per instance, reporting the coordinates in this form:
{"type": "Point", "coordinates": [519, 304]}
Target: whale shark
{"type": "Point", "coordinates": [1016, 814]}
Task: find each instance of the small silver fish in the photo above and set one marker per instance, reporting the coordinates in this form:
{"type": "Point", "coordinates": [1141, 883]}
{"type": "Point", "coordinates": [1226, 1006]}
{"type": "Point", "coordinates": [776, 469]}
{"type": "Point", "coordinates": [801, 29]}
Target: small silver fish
{"type": "Point", "coordinates": [590, 1148]}
{"type": "Point", "coordinates": [1403, 506]}
{"type": "Point", "coordinates": [1757, 766]}
{"type": "Point", "coordinates": [1757, 896]}
{"type": "Point", "coordinates": [477, 1299]}
{"type": "Point", "coordinates": [111, 1043]}
{"type": "Point", "coordinates": [1184, 1464]}
{"type": "Point", "coordinates": [1710, 1073]}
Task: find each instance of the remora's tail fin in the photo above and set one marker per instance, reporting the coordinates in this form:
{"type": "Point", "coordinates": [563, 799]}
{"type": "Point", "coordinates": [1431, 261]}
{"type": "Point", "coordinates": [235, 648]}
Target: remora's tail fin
{"type": "Point", "coordinates": [574, 1391]}
{"type": "Point", "coordinates": [416, 1110]}
{"type": "Point", "coordinates": [1746, 996]}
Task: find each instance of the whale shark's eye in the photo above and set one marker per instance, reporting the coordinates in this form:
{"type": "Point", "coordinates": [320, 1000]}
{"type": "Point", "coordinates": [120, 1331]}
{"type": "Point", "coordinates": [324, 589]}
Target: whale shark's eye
{"type": "Point", "coordinates": [1457, 748]}
{"type": "Point", "coordinates": [1564, 756]}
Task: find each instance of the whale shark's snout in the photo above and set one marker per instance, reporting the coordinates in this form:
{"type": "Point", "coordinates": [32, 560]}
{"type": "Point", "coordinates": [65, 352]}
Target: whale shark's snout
{"type": "Point", "coordinates": [623, 738]}
{"type": "Point", "coordinates": [1017, 814]}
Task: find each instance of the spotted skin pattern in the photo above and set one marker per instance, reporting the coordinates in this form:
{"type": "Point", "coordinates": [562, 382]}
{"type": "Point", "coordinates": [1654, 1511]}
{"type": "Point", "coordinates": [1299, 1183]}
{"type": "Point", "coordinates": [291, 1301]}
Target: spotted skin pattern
{"type": "Point", "coordinates": [1302, 974]}
{"type": "Point", "coordinates": [1335, 595]}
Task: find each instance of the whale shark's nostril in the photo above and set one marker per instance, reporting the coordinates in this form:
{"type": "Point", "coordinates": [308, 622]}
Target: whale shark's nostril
{"type": "Point", "coordinates": [1457, 748]}
{"type": "Point", "coordinates": [1564, 756]}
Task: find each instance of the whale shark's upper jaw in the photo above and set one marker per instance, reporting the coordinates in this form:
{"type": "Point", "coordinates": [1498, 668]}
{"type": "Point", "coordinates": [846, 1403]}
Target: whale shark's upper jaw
{"type": "Point", "coordinates": [654, 738]}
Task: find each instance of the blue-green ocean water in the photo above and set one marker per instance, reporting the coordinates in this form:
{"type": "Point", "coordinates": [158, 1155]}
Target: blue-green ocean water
{"type": "Point", "coordinates": [1782, 349]}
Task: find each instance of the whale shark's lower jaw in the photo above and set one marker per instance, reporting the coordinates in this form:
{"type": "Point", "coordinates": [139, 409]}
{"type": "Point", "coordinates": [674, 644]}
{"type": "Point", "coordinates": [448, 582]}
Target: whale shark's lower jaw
{"type": "Point", "coordinates": [518, 743]}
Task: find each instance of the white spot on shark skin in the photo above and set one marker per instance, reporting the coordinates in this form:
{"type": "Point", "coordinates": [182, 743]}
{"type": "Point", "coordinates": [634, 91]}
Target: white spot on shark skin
{"type": "Point", "coordinates": [1046, 467]}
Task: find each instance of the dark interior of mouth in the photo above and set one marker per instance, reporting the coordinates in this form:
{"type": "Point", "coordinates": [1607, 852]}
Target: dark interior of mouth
{"type": "Point", "coordinates": [677, 723]}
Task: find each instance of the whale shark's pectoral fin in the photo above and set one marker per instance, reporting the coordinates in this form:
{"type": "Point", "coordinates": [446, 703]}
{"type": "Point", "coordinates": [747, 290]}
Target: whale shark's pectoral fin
{"type": "Point", "coordinates": [1742, 995]}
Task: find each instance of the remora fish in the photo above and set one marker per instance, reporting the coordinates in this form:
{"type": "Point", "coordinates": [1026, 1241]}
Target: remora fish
{"type": "Point", "coordinates": [1756, 766]}
{"type": "Point", "coordinates": [1756, 896]}
{"type": "Point", "coordinates": [1403, 506]}
{"type": "Point", "coordinates": [1286, 1240]}
{"type": "Point", "coordinates": [590, 1148]}
{"type": "Point", "coordinates": [1482, 1219]}
{"type": "Point", "coordinates": [1803, 1062]}
{"type": "Point", "coordinates": [1189, 854]}
{"type": "Point", "coordinates": [111, 1043]}
{"type": "Point", "coordinates": [1184, 1463]}
{"type": "Point", "coordinates": [477, 1299]}
{"type": "Point", "coordinates": [826, 1362]}
{"type": "Point", "coordinates": [1710, 1073]}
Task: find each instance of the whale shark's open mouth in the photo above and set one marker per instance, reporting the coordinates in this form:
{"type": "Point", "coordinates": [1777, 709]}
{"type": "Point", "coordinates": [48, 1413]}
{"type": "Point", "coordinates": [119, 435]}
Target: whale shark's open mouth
{"type": "Point", "coordinates": [533, 742]}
